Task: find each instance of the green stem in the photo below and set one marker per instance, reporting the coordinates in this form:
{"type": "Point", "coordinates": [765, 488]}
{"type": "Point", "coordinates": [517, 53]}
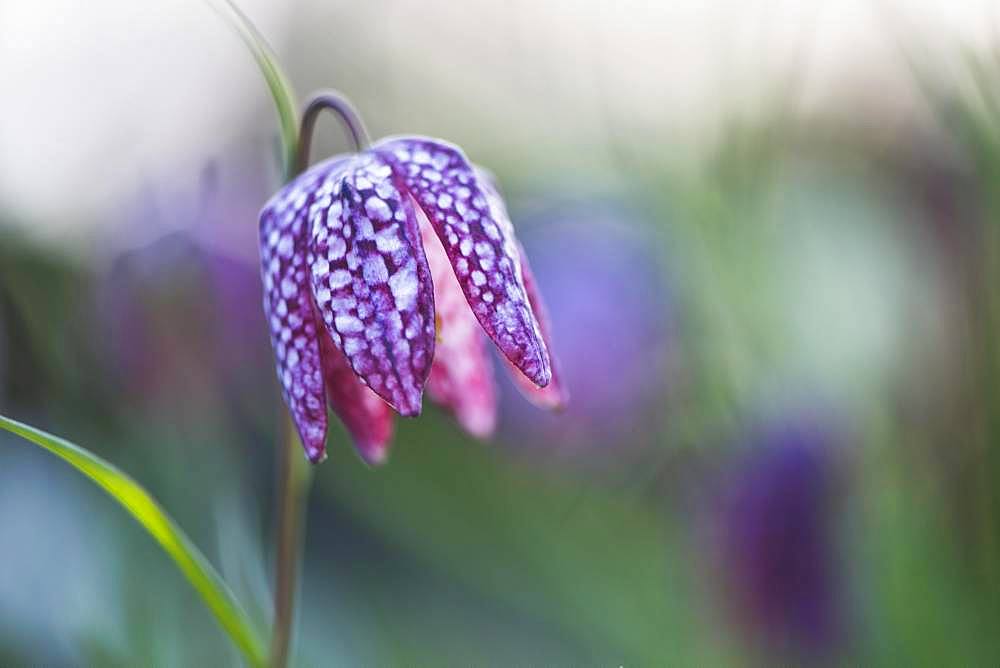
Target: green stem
{"type": "Point", "coordinates": [293, 490]}
{"type": "Point", "coordinates": [294, 474]}
{"type": "Point", "coordinates": [277, 83]}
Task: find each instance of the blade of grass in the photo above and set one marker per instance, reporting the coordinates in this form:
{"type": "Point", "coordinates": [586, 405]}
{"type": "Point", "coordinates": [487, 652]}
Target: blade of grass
{"type": "Point", "coordinates": [294, 478]}
{"type": "Point", "coordinates": [138, 502]}
{"type": "Point", "coordinates": [277, 82]}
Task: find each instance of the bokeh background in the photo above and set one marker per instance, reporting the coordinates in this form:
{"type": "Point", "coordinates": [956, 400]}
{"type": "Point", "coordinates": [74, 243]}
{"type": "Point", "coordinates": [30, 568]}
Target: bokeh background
{"type": "Point", "coordinates": [768, 236]}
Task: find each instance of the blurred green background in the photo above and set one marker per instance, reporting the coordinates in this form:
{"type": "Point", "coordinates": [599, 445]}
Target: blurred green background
{"type": "Point", "coordinates": [769, 237]}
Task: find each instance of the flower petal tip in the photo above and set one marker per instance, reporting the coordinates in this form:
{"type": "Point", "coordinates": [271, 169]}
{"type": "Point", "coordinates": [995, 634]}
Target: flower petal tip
{"type": "Point", "coordinates": [559, 402]}
{"type": "Point", "coordinates": [289, 311]}
{"type": "Point", "coordinates": [553, 397]}
{"type": "Point", "coordinates": [479, 422]}
{"type": "Point", "coordinates": [374, 455]}
{"type": "Point", "coordinates": [544, 378]}
{"type": "Point", "coordinates": [315, 455]}
{"type": "Point", "coordinates": [410, 410]}
{"type": "Point", "coordinates": [472, 225]}
{"type": "Point", "coordinates": [481, 430]}
{"type": "Point", "coordinates": [410, 401]}
{"type": "Point", "coordinates": [536, 369]}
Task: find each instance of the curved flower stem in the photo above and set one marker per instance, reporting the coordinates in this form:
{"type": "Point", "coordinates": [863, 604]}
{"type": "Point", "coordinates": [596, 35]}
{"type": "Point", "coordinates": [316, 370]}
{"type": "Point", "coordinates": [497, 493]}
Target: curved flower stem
{"type": "Point", "coordinates": [295, 479]}
{"type": "Point", "coordinates": [337, 103]}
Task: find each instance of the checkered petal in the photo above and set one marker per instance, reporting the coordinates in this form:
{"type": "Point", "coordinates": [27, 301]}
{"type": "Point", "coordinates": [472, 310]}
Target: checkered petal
{"type": "Point", "coordinates": [555, 395]}
{"type": "Point", "coordinates": [295, 333]}
{"type": "Point", "coordinates": [366, 416]}
{"type": "Point", "coordinates": [461, 377]}
{"type": "Point", "coordinates": [485, 258]}
{"type": "Point", "coordinates": [371, 281]}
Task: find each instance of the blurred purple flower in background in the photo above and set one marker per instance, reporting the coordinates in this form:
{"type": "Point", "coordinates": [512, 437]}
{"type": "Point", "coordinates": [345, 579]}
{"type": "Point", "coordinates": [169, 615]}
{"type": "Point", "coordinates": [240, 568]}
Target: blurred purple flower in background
{"type": "Point", "coordinates": [180, 319]}
{"type": "Point", "coordinates": [611, 316]}
{"type": "Point", "coordinates": [777, 564]}
{"type": "Point", "coordinates": [176, 307]}
{"type": "Point", "coordinates": [346, 253]}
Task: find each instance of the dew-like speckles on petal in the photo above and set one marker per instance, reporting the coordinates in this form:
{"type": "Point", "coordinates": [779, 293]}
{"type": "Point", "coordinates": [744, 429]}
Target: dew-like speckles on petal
{"type": "Point", "coordinates": [404, 286]}
{"type": "Point", "coordinates": [285, 246]}
{"type": "Point", "coordinates": [348, 324]}
{"type": "Point", "coordinates": [377, 209]}
{"type": "Point", "coordinates": [337, 248]}
{"type": "Point", "coordinates": [336, 279]}
{"type": "Point", "coordinates": [388, 239]}
{"type": "Point", "coordinates": [378, 282]}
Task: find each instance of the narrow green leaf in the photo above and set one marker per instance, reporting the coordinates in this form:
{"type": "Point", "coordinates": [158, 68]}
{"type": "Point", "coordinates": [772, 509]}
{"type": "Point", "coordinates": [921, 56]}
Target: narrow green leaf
{"type": "Point", "coordinates": [137, 501]}
{"type": "Point", "coordinates": [277, 82]}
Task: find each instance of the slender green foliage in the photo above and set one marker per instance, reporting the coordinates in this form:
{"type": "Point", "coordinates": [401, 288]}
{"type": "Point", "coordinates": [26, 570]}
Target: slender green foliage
{"type": "Point", "coordinates": [138, 502]}
{"type": "Point", "coordinates": [277, 82]}
{"type": "Point", "coordinates": [295, 478]}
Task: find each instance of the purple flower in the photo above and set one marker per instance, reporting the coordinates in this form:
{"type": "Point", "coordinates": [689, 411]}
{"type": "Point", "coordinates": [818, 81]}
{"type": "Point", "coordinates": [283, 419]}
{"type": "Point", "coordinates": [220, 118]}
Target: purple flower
{"type": "Point", "coordinates": [183, 275]}
{"type": "Point", "coordinates": [366, 260]}
{"type": "Point", "coordinates": [173, 279]}
{"type": "Point", "coordinates": [597, 264]}
{"type": "Point", "coordinates": [777, 544]}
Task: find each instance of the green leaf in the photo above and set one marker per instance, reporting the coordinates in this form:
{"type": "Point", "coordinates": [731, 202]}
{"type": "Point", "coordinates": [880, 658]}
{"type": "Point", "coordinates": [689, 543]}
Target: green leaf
{"type": "Point", "coordinates": [277, 82]}
{"type": "Point", "coordinates": [137, 501]}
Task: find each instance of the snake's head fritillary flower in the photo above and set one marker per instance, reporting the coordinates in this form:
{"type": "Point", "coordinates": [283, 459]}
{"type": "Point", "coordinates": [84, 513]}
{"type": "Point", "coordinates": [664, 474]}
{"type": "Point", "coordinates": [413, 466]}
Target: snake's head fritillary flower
{"type": "Point", "coordinates": [382, 271]}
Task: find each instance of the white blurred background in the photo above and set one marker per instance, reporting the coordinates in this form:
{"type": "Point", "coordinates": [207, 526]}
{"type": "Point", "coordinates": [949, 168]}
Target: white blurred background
{"type": "Point", "coordinates": [125, 90]}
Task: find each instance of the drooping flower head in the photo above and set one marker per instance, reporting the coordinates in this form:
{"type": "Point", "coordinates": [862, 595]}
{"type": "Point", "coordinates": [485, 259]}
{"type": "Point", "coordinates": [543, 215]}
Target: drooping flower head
{"type": "Point", "coordinates": [382, 270]}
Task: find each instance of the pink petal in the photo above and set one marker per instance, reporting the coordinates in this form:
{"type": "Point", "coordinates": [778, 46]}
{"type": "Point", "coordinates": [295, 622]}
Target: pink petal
{"type": "Point", "coordinates": [371, 281]}
{"type": "Point", "coordinates": [366, 416]}
{"type": "Point", "coordinates": [484, 257]}
{"type": "Point", "coordinates": [555, 395]}
{"type": "Point", "coordinates": [461, 376]}
{"type": "Point", "coordinates": [289, 309]}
